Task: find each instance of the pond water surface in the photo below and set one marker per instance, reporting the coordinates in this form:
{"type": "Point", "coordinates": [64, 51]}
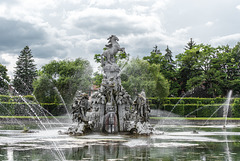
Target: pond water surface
{"type": "Point", "coordinates": [177, 144]}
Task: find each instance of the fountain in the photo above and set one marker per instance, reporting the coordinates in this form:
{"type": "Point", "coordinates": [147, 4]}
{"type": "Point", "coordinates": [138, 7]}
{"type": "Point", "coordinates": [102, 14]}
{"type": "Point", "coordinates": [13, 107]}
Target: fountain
{"type": "Point", "coordinates": [226, 107]}
{"type": "Point", "coordinates": [110, 109]}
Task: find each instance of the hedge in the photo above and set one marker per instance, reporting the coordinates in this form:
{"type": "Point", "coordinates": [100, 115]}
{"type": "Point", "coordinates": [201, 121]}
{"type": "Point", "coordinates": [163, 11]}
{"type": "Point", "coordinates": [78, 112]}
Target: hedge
{"type": "Point", "coordinates": [7, 98]}
{"type": "Point", "coordinates": [196, 107]}
{"type": "Point", "coordinates": [187, 100]}
{"type": "Point", "coordinates": [25, 105]}
{"type": "Point", "coordinates": [189, 106]}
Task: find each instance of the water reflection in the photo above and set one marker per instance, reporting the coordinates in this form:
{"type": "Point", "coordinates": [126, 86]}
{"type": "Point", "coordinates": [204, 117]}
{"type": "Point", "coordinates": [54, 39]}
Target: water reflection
{"type": "Point", "coordinates": [10, 154]}
{"type": "Point", "coordinates": [98, 152]}
{"type": "Point", "coordinates": [210, 144]}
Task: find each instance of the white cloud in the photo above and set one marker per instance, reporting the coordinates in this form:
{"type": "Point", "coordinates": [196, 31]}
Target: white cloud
{"type": "Point", "coordinates": [116, 21]}
{"type": "Point", "coordinates": [160, 4]}
{"type": "Point", "coordinates": [102, 3]}
{"type": "Point", "coordinates": [182, 32]}
{"type": "Point", "coordinates": [11, 62]}
{"type": "Point", "coordinates": [209, 23]}
{"type": "Point", "coordinates": [3, 61]}
{"type": "Point", "coordinates": [238, 7]}
{"type": "Point", "coordinates": [223, 40]}
{"type": "Point", "coordinates": [38, 4]}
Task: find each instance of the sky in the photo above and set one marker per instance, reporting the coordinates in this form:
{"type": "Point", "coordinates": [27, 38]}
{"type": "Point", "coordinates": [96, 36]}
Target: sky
{"type": "Point", "coordinates": [69, 29]}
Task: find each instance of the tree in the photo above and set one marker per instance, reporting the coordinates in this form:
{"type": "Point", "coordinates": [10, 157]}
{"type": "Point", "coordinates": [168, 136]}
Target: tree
{"type": "Point", "coordinates": [206, 75]}
{"type": "Point", "coordinates": [168, 56]}
{"type": "Point", "coordinates": [3, 78]}
{"type": "Point", "coordinates": [25, 72]}
{"type": "Point", "coordinates": [232, 67]}
{"type": "Point", "coordinates": [65, 76]}
{"type": "Point", "coordinates": [139, 75]}
{"type": "Point", "coordinates": [97, 79]}
{"type": "Point", "coordinates": [155, 57]}
{"type": "Point", "coordinates": [212, 69]}
{"type": "Point", "coordinates": [166, 67]}
{"type": "Point", "coordinates": [186, 68]}
{"type": "Point", "coordinates": [190, 45]}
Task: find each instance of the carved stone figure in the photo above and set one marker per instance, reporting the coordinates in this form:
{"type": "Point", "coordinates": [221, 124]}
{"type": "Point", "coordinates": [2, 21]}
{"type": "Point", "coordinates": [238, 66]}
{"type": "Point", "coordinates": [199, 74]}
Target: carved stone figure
{"type": "Point", "coordinates": [109, 54]}
{"type": "Point", "coordinates": [80, 107]}
{"type": "Point", "coordinates": [111, 108]}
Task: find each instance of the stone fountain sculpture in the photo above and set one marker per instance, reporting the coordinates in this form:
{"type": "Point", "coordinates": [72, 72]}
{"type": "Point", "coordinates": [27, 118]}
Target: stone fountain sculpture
{"type": "Point", "coordinates": [110, 109]}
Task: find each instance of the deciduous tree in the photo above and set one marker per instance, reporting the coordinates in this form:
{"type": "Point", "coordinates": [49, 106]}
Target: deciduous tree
{"type": "Point", "coordinates": [139, 75]}
{"type": "Point", "coordinates": [66, 76]}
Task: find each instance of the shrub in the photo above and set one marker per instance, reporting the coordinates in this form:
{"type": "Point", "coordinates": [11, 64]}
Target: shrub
{"type": "Point", "coordinates": [193, 106]}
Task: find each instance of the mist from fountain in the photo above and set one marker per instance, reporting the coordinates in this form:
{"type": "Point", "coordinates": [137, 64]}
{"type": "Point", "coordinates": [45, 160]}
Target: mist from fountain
{"type": "Point", "coordinates": [229, 157]}
{"type": "Point", "coordinates": [226, 107]}
{"type": "Point", "coordinates": [174, 107]}
{"type": "Point", "coordinates": [16, 120]}
{"type": "Point", "coordinates": [64, 104]}
{"type": "Point", "coordinates": [59, 154]}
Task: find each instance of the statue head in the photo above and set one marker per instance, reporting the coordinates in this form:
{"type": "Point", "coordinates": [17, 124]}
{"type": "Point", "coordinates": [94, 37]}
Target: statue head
{"type": "Point", "coordinates": [112, 38]}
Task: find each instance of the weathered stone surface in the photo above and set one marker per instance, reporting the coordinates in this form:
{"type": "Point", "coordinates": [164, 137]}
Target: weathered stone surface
{"type": "Point", "coordinates": [111, 108]}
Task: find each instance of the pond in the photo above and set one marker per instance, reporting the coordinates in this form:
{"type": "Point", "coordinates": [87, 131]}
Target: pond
{"type": "Point", "coordinates": [177, 143]}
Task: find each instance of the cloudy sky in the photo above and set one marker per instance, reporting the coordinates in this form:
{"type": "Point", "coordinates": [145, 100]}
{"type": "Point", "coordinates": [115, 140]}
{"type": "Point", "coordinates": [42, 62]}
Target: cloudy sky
{"type": "Point", "coordinates": [67, 29]}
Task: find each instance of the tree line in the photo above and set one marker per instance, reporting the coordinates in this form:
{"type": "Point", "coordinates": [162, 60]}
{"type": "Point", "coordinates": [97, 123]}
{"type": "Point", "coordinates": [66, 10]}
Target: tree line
{"type": "Point", "coordinates": [200, 71]}
{"type": "Point", "coordinates": [55, 82]}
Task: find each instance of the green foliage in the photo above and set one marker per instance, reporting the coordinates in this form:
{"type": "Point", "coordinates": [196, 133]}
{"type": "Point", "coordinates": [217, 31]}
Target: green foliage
{"type": "Point", "coordinates": [97, 79]}
{"type": "Point", "coordinates": [236, 108]}
{"type": "Point", "coordinates": [97, 58]}
{"type": "Point", "coordinates": [216, 70]}
{"type": "Point", "coordinates": [190, 44]}
{"type": "Point", "coordinates": [3, 78]}
{"type": "Point", "coordinates": [120, 57]}
{"type": "Point", "coordinates": [139, 75]}
{"type": "Point", "coordinates": [44, 90]}
{"type": "Point", "coordinates": [155, 57]}
{"type": "Point", "coordinates": [166, 66]}
{"type": "Point", "coordinates": [193, 106]}
{"type": "Point", "coordinates": [7, 98]}
{"type": "Point", "coordinates": [15, 106]}
{"type": "Point", "coordinates": [25, 72]}
{"type": "Point", "coordinates": [65, 76]}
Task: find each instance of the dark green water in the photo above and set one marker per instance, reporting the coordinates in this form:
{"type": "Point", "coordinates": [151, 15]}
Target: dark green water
{"type": "Point", "coordinates": [177, 144]}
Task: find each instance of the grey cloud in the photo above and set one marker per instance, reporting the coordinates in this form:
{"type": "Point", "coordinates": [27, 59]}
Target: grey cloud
{"type": "Point", "coordinates": [50, 50]}
{"type": "Point", "coordinates": [9, 2]}
{"type": "Point", "coordinates": [110, 24]}
{"type": "Point", "coordinates": [17, 34]}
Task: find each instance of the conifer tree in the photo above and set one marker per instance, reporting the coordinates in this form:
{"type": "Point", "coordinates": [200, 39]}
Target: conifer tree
{"type": "Point", "coordinates": [168, 55]}
{"type": "Point", "coordinates": [25, 72]}
{"type": "Point", "coordinates": [3, 79]}
{"type": "Point", "coordinates": [190, 45]}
